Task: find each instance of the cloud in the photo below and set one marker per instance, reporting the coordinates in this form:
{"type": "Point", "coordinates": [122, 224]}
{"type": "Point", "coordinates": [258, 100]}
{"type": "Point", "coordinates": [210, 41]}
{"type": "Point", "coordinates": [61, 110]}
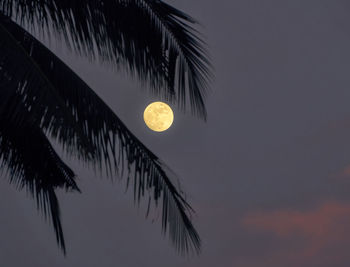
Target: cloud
{"type": "Point", "coordinates": [317, 235]}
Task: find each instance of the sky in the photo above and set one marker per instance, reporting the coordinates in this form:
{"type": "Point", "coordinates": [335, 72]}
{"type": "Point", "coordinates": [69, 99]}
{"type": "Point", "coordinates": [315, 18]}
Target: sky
{"type": "Point", "coordinates": [268, 174]}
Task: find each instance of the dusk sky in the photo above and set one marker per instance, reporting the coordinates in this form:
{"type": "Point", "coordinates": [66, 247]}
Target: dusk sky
{"type": "Point", "coordinates": [268, 174]}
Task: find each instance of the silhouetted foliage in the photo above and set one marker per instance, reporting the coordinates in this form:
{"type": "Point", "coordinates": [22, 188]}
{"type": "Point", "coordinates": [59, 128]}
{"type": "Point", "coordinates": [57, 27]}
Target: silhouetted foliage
{"type": "Point", "coordinates": [42, 97]}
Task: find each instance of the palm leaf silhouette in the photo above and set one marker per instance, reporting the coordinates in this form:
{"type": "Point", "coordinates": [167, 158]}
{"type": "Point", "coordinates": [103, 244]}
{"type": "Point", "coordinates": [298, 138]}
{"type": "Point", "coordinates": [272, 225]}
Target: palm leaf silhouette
{"type": "Point", "coordinates": [147, 37]}
{"type": "Point", "coordinates": [39, 174]}
{"type": "Point", "coordinates": [56, 102]}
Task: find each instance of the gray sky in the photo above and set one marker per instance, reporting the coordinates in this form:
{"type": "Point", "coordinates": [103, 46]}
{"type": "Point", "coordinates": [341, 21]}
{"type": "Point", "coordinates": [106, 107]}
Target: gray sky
{"type": "Point", "coordinates": [268, 174]}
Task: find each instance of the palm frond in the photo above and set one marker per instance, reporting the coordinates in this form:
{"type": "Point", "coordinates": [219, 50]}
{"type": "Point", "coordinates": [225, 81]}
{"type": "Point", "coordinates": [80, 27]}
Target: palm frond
{"type": "Point", "coordinates": [186, 53]}
{"type": "Point", "coordinates": [24, 86]}
{"type": "Point", "coordinates": [148, 37]}
{"type": "Point", "coordinates": [112, 143]}
{"type": "Point", "coordinates": [31, 163]}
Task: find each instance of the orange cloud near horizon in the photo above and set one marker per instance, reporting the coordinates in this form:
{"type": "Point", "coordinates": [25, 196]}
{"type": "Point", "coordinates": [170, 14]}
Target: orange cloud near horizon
{"type": "Point", "coordinates": [318, 229]}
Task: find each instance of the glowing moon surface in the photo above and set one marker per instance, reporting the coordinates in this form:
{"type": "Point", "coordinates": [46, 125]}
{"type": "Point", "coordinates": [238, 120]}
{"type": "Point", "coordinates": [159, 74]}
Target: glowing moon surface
{"type": "Point", "coordinates": [158, 116]}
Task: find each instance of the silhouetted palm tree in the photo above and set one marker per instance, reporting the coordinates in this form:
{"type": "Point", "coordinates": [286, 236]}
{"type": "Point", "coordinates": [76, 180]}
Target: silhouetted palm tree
{"type": "Point", "coordinates": [41, 98]}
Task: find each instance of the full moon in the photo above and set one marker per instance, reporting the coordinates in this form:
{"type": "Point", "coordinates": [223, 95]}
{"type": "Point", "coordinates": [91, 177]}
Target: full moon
{"type": "Point", "coordinates": [158, 116]}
